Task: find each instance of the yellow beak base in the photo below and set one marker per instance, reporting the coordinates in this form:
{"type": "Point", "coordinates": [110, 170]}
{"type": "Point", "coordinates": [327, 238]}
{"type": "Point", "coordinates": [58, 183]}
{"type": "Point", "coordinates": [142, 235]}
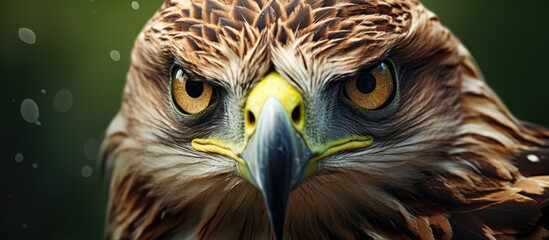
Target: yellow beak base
{"type": "Point", "coordinates": [273, 85]}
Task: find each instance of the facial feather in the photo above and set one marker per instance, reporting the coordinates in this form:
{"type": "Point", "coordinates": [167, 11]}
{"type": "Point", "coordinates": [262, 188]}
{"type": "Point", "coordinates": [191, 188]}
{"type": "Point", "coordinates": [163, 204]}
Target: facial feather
{"type": "Point", "coordinates": [442, 160]}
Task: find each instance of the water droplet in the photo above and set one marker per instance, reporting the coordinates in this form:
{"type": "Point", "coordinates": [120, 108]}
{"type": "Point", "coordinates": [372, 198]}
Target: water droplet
{"type": "Point", "coordinates": [19, 158]}
{"type": "Point", "coordinates": [533, 158]}
{"type": "Point", "coordinates": [29, 110]}
{"type": "Point", "coordinates": [43, 91]}
{"type": "Point", "coordinates": [135, 5]}
{"type": "Point", "coordinates": [27, 36]}
{"type": "Point", "coordinates": [62, 101]}
{"type": "Point", "coordinates": [87, 171]}
{"type": "Point", "coordinates": [34, 165]}
{"type": "Point", "coordinates": [38, 123]}
{"type": "Point", "coordinates": [91, 149]}
{"type": "Point", "coordinates": [115, 55]}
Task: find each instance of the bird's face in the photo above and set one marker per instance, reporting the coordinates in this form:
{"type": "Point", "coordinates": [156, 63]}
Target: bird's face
{"type": "Point", "coordinates": [342, 101]}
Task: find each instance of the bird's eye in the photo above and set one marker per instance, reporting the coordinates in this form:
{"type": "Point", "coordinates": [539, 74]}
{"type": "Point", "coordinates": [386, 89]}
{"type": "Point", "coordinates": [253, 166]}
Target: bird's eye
{"type": "Point", "coordinates": [372, 89]}
{"type": "Point", "coordinates": [191, 97]}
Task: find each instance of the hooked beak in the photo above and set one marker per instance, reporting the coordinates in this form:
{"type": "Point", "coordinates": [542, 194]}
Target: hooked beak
{"type": "Point", "coordinates": [276, 156]}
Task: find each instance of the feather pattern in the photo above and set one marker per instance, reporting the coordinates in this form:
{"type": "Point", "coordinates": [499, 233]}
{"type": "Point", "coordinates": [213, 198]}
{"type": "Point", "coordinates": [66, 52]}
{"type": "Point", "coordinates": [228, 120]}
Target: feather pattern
{"type": "Point", "coordinates": [449, 162]}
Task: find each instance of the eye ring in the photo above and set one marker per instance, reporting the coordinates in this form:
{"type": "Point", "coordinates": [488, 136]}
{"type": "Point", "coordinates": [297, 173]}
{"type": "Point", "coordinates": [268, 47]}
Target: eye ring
{"type": "Point", "coordinates": [373, 89]}
{"type": "Point", "coordinates": [189, 97]}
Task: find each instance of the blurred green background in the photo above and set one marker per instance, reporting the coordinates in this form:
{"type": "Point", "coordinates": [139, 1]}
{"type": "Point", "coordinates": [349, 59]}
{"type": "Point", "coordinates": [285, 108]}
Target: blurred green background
{"type": "Point", "coordinates": [51, 186]}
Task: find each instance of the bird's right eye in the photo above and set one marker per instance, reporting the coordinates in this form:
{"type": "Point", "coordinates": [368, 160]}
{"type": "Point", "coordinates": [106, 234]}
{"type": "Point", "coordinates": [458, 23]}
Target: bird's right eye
{"type": "Point", "coordinates": [190, 97]}
{"type": "Point", "coordinates": [373, 89]}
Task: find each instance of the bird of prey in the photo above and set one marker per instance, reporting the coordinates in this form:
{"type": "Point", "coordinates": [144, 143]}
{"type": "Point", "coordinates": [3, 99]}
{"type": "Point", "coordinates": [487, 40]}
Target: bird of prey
{"type": "Point", "coordinates": [316, 119]}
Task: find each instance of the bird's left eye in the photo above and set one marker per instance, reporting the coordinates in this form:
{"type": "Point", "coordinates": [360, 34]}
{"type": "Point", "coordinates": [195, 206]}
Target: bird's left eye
{"type": "Point", "coordinates": [191, 97]}
{"type": "Point", "coordinates": [372, 89]}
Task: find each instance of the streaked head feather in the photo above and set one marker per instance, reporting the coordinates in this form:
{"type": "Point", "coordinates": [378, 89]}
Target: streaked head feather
{"type": "Point", "coordinates": [444, 159]}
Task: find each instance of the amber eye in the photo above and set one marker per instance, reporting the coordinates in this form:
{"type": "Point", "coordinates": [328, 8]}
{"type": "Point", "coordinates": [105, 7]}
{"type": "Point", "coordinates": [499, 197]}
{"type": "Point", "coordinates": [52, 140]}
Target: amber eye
{"type": "Point", "coordinates": [372, 89]}
{"type": "Point", "coordinates": [190, 96]}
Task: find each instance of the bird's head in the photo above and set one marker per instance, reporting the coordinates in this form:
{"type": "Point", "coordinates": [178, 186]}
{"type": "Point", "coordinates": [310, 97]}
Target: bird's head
{"type": "Point", "coordinates": [316, 104]}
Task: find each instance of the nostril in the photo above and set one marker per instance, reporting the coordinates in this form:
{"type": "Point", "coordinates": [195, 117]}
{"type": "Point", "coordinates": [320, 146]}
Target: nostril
{"type": "Point", "coordinates": [250, 117]}
{"type": "Point", "coordinates": [296, 114]}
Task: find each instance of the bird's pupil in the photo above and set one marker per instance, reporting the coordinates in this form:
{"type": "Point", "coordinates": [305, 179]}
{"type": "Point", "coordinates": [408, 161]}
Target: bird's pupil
{"type": "Point", "coordinates": [194, 89]}
{"type": "Point", "coordinates": [366, 83]}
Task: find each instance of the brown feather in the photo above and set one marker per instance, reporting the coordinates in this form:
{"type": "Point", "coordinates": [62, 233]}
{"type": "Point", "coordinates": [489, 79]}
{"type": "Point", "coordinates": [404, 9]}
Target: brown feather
{"type": "Point", "coordinates": [450, 162]}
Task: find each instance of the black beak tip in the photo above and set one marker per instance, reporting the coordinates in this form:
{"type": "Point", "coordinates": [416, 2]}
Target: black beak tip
{"type": "Point", "coordinates": [277, 204]}
{"type": "Point", "coordinates": [277, 222]}
{"type": "Point", "coordinates": [278, 235]}
{"type": "Point", "coordinates": [279, 230]}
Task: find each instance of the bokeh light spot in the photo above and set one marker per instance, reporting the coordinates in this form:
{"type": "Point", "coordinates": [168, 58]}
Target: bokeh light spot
{"type": "Point", "coordinates": [19, 158]}
{"type": "Point", "coordinates": [27, 35]}
{"type": "Point", "coordinates": [87, 171]}
{"type": "Point", "coordinates": [62, 101]}
{"type": "Point", "coordinates": [30, 110]}
{"type": "Point", "coordinates": [115, 55]}
{"type": "Point", "coordinates": [135, 5]}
